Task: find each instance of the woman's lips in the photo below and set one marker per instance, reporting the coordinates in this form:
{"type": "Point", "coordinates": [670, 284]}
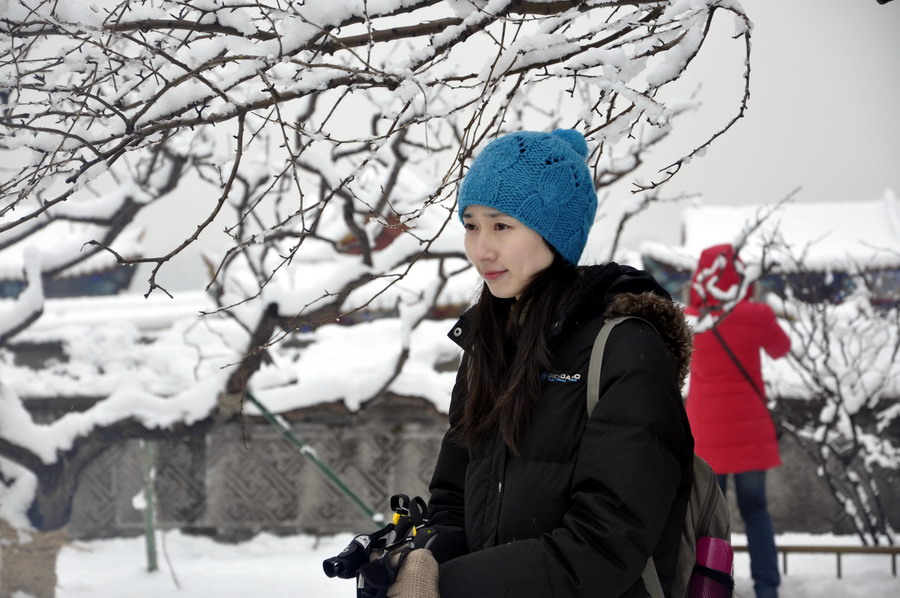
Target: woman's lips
{"type": "Point", "coordinates": [493, 274]}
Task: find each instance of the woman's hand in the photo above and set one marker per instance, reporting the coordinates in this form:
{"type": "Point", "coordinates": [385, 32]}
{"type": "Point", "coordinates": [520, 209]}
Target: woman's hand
{"type": "Point", "coordinates": [403, 572]}
{"type": "Point", "coordinates": [418, 576]}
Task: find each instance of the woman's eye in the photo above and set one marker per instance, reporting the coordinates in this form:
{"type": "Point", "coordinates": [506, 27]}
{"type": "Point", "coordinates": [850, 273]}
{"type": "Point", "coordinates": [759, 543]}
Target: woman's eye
{"type": "Point", "coordinates": [501, 226]}
{"type": "Point", "coordinates": [469, 226]}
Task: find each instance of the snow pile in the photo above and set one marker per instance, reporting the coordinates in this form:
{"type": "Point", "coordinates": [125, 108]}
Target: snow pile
{"type": "Point", "coordinates": [196, 567]}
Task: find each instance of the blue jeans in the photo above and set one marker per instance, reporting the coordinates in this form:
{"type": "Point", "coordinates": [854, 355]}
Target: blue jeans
{"type": "Point", "coordinates": [750, 488]}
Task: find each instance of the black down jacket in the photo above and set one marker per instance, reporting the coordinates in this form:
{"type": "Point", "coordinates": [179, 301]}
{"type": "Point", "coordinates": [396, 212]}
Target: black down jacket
{"type": "Point", "coordinates": [579, 511]}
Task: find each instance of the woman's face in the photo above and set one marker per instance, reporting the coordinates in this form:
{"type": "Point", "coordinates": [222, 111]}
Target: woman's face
{"type": "Point", "coordinates": [506, 253]}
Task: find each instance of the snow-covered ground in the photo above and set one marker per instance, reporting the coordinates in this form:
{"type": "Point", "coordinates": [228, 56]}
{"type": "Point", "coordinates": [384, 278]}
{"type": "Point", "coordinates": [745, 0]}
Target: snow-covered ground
{"type": "Point", "coordinates": [193, 567]}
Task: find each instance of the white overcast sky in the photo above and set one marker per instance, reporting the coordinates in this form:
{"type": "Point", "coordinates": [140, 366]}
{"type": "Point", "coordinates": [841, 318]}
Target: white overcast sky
{"type": "Point", "coordinates": [824, 110]}
{"type": "Point", "coordinates": [824, 116]}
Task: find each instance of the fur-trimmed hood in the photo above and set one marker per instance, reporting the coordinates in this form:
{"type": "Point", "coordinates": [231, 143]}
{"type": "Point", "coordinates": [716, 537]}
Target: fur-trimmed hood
{"type": "Point", "coordinates": [668, 319]}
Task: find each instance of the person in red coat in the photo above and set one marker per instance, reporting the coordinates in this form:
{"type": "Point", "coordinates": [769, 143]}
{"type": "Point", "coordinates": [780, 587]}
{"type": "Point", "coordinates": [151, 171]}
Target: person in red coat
{"type": "Point", "coordinates": [726, 402]}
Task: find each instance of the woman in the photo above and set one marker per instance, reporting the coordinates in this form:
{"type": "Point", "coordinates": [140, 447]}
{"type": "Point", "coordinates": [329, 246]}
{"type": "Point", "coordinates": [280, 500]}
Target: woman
{"type": "Point", "coordinates": [527, 497]}
{"type": "Point", "coordinates": [726, 402]}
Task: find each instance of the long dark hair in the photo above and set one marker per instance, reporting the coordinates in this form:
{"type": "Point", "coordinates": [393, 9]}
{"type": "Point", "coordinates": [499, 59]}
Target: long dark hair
{"type": "Point", "coordinates": [507, 349]}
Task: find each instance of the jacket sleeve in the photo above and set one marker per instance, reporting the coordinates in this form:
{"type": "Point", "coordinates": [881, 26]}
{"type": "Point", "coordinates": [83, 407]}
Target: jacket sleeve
{"type": "Point", "coordinates": [776, 342]}
{"type": "Point", "coordinates": [445, 535]}
{"type": "Point", "coordinates": [628, 473]}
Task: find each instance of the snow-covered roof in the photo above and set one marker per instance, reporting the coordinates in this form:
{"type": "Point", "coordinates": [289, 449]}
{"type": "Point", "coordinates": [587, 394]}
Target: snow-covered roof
{"type": "Point", "coordinates": [60, 240]}
{"type": "Point", "coordinates": [836, 235]}
{"type": "Point", "coordinates": [155, 312]}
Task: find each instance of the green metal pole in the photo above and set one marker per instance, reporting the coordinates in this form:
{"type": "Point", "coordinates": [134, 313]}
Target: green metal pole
{"type": "Point", "coordinates": [310, 453]}
{"type": "Point", "coordinates": [149, 506]}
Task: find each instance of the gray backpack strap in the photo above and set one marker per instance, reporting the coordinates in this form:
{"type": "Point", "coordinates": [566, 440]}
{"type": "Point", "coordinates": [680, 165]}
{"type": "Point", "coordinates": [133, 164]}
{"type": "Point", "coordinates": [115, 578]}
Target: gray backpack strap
{"type": "Point", "coordinates": [593, 381]}
{"type": "Point", "coordinates": [651, 580]}
{"type": "Point", "coordinates": [649, 575]}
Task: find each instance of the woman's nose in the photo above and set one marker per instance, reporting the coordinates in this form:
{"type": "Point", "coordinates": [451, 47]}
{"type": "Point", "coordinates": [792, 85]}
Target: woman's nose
{"type": "Point", "coordinates": [484, 248]}
{"type": "Point", "coordinates": [478, 249]}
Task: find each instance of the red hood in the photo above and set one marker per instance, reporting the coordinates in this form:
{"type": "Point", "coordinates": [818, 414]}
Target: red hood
{"type": "Point", "coordinates": [718, 270]}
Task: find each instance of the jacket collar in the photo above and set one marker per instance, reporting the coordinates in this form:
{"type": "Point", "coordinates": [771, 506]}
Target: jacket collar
{"type": "Point", "coordinates": [599, 287]}
{"type": "Point", "coordinates": [613, 290]}
{"type": "Point", "coordinates": [459, 332]}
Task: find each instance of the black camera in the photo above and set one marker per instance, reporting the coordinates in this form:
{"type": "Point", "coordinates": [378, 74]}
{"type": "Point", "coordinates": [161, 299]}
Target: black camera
{"type": "Point", "coordinates": [409, 514]}
{"type": "Point", "coordinates": [347, 563]}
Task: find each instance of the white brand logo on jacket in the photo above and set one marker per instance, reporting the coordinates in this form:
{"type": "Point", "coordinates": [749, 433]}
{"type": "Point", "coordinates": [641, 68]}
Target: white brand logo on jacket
{"type": "Point", "coordinates": [548, 377]}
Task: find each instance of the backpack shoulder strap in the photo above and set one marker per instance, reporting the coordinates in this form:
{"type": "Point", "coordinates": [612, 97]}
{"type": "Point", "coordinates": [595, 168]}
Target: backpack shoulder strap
{"type": "Point", "coordinates": [651, 580]}
{"type": "Point", "coordinates": [649, 574]}
{"type": "Point", "coordinates": [593, 380]}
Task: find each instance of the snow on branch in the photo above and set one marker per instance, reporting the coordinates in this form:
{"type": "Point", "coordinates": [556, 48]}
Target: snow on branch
{"type": "Point", "coordinates": [332, 135]}
{"type": "Point", "coordinates": [328, 139]}
{"type": "Point", "coordinates": [19, 313]}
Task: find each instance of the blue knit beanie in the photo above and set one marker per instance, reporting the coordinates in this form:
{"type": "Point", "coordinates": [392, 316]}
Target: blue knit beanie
{"type": "Point", "coordinates": [541, 180]}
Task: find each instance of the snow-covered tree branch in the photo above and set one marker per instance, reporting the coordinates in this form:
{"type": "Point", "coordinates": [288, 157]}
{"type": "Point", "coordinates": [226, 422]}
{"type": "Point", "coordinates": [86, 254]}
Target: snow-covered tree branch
{"type": "Point", "coordinates": [133, 94]}
{"type": "Point", "coordinates": [845, 362]}
{"type": "Point", "coordinates": [328, 138]}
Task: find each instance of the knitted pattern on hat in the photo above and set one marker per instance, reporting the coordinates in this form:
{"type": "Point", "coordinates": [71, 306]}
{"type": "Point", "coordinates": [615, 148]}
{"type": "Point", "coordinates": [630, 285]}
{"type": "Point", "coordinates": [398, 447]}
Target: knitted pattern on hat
{"type": "Point", "coordinates": [541, 180]}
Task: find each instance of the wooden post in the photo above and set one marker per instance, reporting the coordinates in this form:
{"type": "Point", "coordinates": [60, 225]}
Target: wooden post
{"type": "Point", "coordinates": [149, 505]}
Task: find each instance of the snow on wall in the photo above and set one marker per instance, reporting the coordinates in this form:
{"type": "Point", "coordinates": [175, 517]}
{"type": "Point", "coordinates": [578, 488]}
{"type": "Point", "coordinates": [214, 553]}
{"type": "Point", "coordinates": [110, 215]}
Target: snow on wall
{"type": "Point", "coordinates": [829, 236]}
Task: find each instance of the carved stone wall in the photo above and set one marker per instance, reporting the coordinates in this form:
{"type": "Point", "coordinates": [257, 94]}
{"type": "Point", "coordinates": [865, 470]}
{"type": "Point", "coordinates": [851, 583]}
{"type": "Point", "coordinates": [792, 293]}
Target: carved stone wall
{"type": "Point", "coordinates": [243, 477]}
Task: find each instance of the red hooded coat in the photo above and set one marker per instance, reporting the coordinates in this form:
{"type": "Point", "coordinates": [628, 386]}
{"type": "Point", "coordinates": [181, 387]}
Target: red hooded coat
{"type": "Point", "coordinates": [731, 424]}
